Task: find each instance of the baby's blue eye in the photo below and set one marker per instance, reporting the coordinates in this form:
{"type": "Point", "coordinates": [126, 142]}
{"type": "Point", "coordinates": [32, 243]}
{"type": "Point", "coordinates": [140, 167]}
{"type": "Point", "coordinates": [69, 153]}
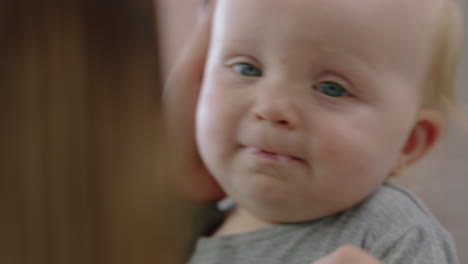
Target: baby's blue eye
{"type": "Point", "coordinates": [247, 69]}
{"type": "Point", "coordinates": [331, 89]}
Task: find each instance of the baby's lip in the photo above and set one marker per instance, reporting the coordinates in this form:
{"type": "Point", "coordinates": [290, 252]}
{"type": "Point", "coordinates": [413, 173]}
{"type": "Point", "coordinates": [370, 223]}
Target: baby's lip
{"type": "Point", "coordinates": [278, 156]}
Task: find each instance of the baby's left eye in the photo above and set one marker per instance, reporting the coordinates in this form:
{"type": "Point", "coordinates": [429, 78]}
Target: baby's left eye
{"type": "Point", "coordinates": [247, 69]}
{"type": "Point", "coordinates": [331, 89]}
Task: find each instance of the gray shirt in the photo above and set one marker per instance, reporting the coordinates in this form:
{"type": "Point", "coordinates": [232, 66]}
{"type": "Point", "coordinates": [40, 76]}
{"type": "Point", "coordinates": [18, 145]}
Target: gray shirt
{"type": "Point", "coordinates": [392, 225]}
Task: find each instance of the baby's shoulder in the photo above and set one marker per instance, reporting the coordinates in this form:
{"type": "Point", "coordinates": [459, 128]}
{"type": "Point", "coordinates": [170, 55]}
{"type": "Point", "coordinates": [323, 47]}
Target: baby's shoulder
{"type": "Point", "coordinates": [393, 205]}
{"type": "Point", "coordinates": [398, 224]}
{"type": "Point", "coordinates": [392, 209]}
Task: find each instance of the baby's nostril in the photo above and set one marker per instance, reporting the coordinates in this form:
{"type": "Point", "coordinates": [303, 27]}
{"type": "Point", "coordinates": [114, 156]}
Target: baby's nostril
{"type": "Point", "coordinates": [258, 117]}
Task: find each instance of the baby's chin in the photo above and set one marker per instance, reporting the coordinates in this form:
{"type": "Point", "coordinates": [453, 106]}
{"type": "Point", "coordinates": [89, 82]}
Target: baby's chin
{"type": "Point", "coordinates": [291, 213]}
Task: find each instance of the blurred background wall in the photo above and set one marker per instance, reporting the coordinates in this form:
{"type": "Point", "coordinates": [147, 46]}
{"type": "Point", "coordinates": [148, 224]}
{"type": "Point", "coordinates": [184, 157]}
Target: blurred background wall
{"type": "Point", "coordinates": [441, 179]}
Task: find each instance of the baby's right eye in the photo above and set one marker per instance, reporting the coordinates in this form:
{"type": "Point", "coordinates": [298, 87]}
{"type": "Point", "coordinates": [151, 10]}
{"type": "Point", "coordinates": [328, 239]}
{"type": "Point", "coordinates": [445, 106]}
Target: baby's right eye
{"type": "Point", "coordinates": [247, 69]}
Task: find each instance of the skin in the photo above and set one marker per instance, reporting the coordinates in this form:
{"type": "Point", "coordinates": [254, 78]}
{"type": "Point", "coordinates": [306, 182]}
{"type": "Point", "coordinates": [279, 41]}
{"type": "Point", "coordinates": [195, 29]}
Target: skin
{"type": "Point", "coordinates": [181, 95]}
{"type": "Point", "coordinates": [267, 127]}
{"type": "Point", "coordinates": [181, 90]}
{"type": "Point", "coordinates": [348, 255]}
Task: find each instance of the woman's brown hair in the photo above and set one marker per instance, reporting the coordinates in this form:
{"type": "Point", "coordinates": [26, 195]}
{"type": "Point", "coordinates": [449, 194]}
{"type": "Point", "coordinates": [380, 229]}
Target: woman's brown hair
{"type": "Point", "coordinates": [83, 163]}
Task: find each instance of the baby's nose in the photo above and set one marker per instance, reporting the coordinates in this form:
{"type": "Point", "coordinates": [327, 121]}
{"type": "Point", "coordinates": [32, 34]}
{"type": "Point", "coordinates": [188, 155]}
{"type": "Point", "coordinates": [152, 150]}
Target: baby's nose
{"type": "Point", "coordinates": [278, 114]}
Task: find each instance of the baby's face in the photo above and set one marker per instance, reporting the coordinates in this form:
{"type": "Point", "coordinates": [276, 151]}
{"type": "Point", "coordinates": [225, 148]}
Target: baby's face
{"type": "Point", "coordinates": [307, 104]}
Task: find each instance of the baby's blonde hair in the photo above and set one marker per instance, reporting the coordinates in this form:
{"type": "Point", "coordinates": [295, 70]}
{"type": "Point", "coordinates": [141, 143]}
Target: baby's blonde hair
{"type": "Point", "coordinates": [445, 59]}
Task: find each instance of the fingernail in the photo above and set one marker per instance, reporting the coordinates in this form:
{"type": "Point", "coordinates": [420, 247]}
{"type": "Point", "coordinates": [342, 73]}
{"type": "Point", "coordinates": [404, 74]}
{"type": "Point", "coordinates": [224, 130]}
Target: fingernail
{"type": "Point", "coordinates": [202, 8]}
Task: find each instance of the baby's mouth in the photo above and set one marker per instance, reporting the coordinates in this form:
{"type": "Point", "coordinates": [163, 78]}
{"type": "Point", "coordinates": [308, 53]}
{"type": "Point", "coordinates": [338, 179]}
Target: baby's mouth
{"type": "Point", "coordinates": [272, 155]}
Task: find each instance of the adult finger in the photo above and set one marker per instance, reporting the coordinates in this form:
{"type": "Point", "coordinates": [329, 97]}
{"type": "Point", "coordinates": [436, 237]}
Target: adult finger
{"type": "Point", "coordinates": [348, 255]}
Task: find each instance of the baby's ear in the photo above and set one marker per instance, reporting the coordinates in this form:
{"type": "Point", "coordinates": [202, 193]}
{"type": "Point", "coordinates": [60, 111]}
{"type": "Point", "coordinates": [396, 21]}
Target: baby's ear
{"type": "Point", "coordinates": [424, 134]}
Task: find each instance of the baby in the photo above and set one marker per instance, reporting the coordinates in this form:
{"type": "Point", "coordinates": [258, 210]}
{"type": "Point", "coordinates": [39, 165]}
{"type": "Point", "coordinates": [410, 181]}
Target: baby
{"type": "Point", "coordinates": [307, 108]}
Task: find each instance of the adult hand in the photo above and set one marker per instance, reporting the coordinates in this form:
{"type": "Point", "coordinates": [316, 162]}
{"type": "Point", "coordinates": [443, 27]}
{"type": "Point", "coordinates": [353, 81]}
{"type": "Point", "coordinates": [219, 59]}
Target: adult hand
{"type": "Point", "coordinates": [180, 100]}
{"type": "Point", "coordinates": [348, 255]}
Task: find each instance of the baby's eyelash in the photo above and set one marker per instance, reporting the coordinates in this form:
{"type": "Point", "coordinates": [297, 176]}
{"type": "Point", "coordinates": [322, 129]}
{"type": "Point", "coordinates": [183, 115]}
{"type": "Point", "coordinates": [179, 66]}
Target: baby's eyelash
{"type": "Point", "coordinates": [331, 89]}
{"type": "Point", "coordinates": [247, 69]}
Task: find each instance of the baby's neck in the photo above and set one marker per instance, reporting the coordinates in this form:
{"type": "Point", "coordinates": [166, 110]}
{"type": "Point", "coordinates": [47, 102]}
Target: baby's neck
{"type": "Point", "coordinates": [240, 221]}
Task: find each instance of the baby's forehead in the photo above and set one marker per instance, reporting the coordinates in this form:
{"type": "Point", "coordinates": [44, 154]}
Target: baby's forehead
{"type": "Point", "coordinates": [398, 9]}
{"type": "Point", "coordinates": [296, 19]}
{"type": "Point", "coordinates": [373, 20]}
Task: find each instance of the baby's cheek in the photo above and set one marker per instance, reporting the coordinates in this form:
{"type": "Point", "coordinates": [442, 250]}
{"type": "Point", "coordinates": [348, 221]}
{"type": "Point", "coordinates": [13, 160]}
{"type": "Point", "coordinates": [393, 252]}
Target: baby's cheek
{"type": "Point", "coordinates": [348, 155]}
{"type": "Point", "coordinates": [350, 171]}
{"type": "Point", "coordinates": [217, 120]}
